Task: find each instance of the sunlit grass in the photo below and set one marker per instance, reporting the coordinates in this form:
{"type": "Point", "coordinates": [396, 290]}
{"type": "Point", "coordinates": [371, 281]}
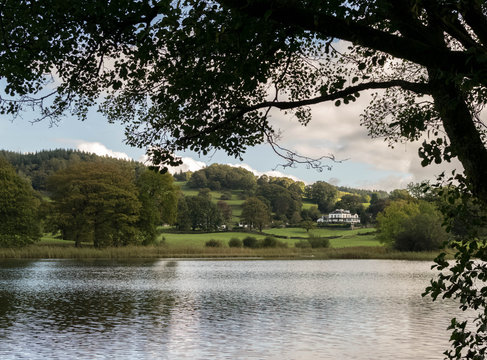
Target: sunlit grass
{"type": "Point", "coordinates": [308, 204]}
{"type": "Point", "coordinates": [301, 232]}
{"type": "Point", "coordinates": [199, 239]}
{"type": "Point", "coordinates": [355, 240]}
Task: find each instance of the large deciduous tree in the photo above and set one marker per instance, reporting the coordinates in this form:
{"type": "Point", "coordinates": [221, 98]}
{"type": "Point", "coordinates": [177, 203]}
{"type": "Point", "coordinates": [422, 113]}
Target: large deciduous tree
{"type": "Point", "coordinates": [255, 213]}
{"type": "Point", "coordinates": [199, 74]}
{"type": "Point", "coordinates": [205, 74]}
{"type": "Point", "coordinates": [98, 202]}
{"type": "Point", "coordinates": [282, 201]}
{"type": "Point", "coordinates": [19, 216]}
{"type": "Point", "coordinates": [323, 194]}
{"type": "Point", "coordinates": [352, 202]}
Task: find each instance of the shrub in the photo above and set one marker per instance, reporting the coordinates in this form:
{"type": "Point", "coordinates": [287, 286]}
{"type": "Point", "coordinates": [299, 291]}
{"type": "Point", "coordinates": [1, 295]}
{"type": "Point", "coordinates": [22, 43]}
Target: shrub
{"type": "Point", "coordinates": [226, 195]}
{"type": "Point", "coordinates": [235, 242]}
{"type": "Point", "coordinates": [317, 242]}
{"type": "Point", "coordinates": [251, 242]}
{"type": "Point", "coordinates": [162, 241]}
{"type": "Point", "coordinates": [422, 233]}
{"type": "Point", "coordinates": [411, 226]}
{"type": "Point", "coordinates": [271, 241]}
{"type": "Point", "coordinates": [302, 244]}
{"type": "Point", "coordinates": [213, 243]}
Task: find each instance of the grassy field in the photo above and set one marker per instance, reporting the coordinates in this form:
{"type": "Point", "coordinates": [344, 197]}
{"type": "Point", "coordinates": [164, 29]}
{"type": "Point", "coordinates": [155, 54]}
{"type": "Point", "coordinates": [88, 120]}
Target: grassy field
{"type": "Point", "coordinates": [345, 238]}
{"type": "Point", "coordinates": [301, 233]}
{"type": "Point", "coordinates": [198, 240]}
{"type": "Point", "coordinates": [308, 204]}
{"type": "Point", "coordinates": [350, 244]}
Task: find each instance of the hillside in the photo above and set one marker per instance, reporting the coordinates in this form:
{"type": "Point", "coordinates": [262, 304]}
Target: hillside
{"type": "Point", "coordinates": [38, 166]}
{"type": "Point", "coordinates": [289, 201]}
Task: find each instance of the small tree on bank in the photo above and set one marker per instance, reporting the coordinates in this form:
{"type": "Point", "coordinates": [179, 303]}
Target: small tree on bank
{"type": "Point", "coordinates": [413, 225]}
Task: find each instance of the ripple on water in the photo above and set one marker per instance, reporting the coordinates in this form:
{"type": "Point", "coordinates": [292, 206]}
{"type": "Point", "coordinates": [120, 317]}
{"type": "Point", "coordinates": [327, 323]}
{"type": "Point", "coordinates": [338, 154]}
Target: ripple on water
{"type": "Point", "coordinates": [220, 310]}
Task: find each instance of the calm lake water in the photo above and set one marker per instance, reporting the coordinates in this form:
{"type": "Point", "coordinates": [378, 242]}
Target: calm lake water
{"type": "Point", "coordinates": [173, 309]}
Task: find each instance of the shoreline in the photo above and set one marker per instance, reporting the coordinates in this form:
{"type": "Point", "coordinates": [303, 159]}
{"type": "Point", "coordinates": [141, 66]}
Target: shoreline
{"type": "Point", "coordinates": [225, 253]}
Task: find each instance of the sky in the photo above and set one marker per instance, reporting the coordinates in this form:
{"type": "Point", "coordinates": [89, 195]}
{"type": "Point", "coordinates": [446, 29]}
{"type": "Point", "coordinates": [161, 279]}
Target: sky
{"type": "Point", "coordinates": [367, 163]}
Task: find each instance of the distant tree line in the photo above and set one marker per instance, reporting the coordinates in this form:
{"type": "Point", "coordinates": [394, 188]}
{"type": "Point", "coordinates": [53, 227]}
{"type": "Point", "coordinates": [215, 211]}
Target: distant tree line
{"type": "Point", "coordinates": [38, 166]}
{"type": "Point", "coordinates": [201, 213]}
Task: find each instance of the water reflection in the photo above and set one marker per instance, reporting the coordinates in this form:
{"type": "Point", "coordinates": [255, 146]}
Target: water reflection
{"type": "Point", "coordinates": [219, 309]}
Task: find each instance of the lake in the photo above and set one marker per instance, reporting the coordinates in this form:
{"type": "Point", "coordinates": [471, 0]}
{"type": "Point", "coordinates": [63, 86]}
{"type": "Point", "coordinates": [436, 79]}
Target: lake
{"type": "Point", "coordinates": [220, 309]}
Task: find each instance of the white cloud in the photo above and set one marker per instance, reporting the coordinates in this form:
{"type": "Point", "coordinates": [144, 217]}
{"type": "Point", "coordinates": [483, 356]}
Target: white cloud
{"type": "Point", "coordinates": [100, 149]}
{"type": "Point", "coordinates": [189, 164]}
{"type": "Point", "coordinates": [337, 131]}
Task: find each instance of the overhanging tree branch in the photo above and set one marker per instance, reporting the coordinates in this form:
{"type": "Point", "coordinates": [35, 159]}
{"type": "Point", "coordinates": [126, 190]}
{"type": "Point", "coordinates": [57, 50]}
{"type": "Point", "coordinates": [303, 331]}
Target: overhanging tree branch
{"type": "Point", "coordinates": [419, 88]}
{"type": "Point", "coordinates": [421, 52]}
{"type": "Point", "coordinates": [472, 13]}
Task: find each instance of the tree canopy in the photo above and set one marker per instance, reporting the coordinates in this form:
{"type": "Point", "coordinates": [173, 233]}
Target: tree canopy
{"type": "Point", "coordinates": [38, 166]}
{"type": "Point", "coordinates": [158, 198]}
{"type": "Point", "coordinates": [255, 213]}
{"type": "Point", "coordinates": [218, 176]}
{"type": "Point", "coordinates": [414, 225]}
{"type": "Point", "coordinates": [199, 212]}
{"type": "Point", "coordinates": [97, 202]}
{"type": "Point", "coordinates": [323, 194]}
{"type": "Point", "coordinates": [204, 74]}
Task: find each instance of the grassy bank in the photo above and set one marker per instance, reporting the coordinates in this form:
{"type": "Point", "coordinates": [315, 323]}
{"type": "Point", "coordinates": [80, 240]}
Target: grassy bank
{"type": "Point", "coordinates": [345, 244]}
{"type": "Point", "coordinates": [60, 251]}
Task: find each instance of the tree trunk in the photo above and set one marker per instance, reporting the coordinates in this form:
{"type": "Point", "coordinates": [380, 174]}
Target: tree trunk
{"type": "Point", "coordinates": [465, 138]}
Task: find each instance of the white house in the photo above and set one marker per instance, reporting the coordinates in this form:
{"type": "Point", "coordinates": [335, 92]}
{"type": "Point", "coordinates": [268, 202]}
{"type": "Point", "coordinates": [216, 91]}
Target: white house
{"type": "Point", "coordinates": [340, 216]}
